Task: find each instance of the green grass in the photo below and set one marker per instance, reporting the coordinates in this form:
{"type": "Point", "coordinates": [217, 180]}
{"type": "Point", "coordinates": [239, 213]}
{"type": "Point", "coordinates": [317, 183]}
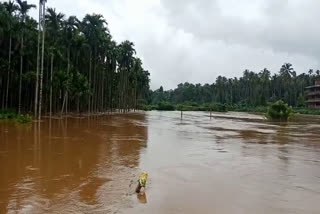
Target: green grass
{"type": "Point", "coordinates": [306, 111]}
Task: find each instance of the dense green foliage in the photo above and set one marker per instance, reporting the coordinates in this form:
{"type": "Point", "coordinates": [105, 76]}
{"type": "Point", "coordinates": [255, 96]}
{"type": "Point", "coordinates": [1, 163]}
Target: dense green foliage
{"type": "Point", "coordinates": [7, 114]}
{"type": "Point", "coordinates": [249, 92]}
{"type": "Point", "coordinates": [11, 115]}
{"type": "Point", "coordinates": [23, 118]}
{"type": "Point", "coordinates": [279, 111]}
{"type": "Point", "coordinates": [165, 106]}
{"type": "Point", "coordinates": [82, 68]}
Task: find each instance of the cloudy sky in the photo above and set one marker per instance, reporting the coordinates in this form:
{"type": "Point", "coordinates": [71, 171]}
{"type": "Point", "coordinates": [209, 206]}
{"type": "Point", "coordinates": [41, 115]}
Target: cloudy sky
{"type": "Point", "coordinates": [197, 40]}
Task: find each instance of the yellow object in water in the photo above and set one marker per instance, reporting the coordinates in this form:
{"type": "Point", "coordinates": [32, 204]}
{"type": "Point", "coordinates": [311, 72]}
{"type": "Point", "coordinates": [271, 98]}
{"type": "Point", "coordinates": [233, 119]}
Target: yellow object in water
{"type": "Point", "coordinates": [143, 179]}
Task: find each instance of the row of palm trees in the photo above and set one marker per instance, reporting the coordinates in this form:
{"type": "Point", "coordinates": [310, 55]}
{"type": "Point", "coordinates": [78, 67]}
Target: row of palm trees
{"type": "Point", "coordinates": [252, 89]}
{"type": "Point", "coordinates": [62, 64]}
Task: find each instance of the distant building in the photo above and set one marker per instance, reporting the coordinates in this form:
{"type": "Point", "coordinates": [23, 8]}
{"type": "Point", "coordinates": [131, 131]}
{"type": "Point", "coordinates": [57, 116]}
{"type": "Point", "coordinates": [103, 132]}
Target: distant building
{"type": "Point", "coordinates": [313, 95]}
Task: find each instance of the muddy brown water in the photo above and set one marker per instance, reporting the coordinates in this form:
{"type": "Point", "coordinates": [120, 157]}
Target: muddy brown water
{"type": "Point", "coordinates": [231, 163]}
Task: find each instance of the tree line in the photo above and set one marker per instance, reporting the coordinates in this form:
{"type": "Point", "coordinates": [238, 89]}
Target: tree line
{"type": "Point", "coordinates": [62, 64]}
{"type": "Point", "coordinates": [252, 89]}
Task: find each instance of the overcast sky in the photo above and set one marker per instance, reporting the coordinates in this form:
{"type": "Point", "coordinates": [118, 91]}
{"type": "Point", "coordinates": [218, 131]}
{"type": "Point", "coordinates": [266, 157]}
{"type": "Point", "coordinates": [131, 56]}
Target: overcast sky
{"type": "Point", "coordinates": [197, 40]}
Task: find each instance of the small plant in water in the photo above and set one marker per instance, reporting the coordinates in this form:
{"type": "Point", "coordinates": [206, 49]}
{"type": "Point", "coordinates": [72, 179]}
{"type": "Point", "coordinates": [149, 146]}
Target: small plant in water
{"type": "Point", "coordinates": [279, 110]}
{"type": "Point", "coordinates": [23, 118]}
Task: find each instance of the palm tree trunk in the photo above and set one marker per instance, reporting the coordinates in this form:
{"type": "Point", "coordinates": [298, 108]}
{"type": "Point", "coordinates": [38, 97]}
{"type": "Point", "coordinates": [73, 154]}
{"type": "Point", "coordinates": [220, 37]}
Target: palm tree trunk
{"type": "Point", "coordinates": [94, 101]}
{"type": "Point", "coordinates": [89, 96]}
{"type": "Point", "coordinates": [135, 94]}
{"type": "Point", "coordinates": [20, 76]}
{"type": "Point", "coordinates": [38, 66]}
{"type": "Point", "coordinates": [9, 68]}
{"type": "Point", "coordinates": [68, 70]}
{"type": "Point", "coordinates": [3, 92]}
{"type": "Point", "coordinates": [51, 73]}
{"type": "Point", "coordinates": [63, 103]}
{"type": "Point", "coordinates": [42, 60]}
{"type": "Point", "coordinates": [78, 105]}
{"type": "Point", "coordinates": [102, 93]}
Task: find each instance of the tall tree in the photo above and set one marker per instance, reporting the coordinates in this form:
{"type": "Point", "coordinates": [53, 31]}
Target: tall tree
{"type": "Point", "coordinates": [43, 4]}
{"type": "Point", "coordinates": [10, 8]}
{"type": "Point", "coordinates": [82, 68]}
{"type": "Point", "coordinates": [24, 7]}
{"type": "Point", "coordinates": [54, 22]}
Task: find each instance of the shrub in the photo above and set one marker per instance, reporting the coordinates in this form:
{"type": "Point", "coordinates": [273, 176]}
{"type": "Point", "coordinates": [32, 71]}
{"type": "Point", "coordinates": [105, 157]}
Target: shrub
{"type": "Point", "coordinates": [219, 107]}
{"type": "Point", "coordinates": [183, 107]}
{"type": "Point", "coordinates": [279, 111]}
{"type": "Point", "coordinates": [23, 118]}
{"type": "Point", "coordinates": [146, 107]}
{"type": "Point", "coordinates": [7, 114]}
{"type": "Point", "coordinates": [165, 106]}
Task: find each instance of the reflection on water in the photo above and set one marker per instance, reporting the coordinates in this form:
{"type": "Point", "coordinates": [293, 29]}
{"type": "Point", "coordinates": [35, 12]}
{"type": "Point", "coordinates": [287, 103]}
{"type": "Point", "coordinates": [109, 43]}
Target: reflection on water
{"type": "Point", "coordinates": [63, 164]}
{"type": "Point", "coordinates": [230, 163]}
{"type": "Point", "coordinates": [142, 197]}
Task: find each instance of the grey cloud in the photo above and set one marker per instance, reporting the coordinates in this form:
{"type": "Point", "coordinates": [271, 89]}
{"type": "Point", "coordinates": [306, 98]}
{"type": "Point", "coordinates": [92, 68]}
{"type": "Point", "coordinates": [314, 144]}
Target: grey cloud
{"type": "Point", "coordinates": [285, 26]}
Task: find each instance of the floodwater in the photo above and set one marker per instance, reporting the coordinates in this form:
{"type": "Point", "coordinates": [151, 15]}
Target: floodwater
{"type": "Point", "coordinates": [231, 163]}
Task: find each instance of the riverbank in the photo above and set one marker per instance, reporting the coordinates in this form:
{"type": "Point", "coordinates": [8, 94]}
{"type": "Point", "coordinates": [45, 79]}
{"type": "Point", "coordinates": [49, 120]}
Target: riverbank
{"type": "Point", "coordinates": [25, 118]}
{"type": "Point", "coordinates": [218, 107]}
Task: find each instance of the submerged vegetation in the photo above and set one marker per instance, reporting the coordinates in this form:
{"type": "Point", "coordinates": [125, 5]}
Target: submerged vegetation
{"type": "Point", "coordinates": [7, 114]}
{"type": "Point", "coordinates": [64, 64]}
{"type": "Point", "coordinates": [23, 118]}
{"type": "Point", "coordinates": [11, 115]}
{"type": "Point", "coordinates": [279, 111]}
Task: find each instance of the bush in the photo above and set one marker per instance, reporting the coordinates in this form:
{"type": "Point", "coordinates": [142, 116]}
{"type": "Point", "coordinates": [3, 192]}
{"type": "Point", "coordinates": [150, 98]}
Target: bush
{"type": "Point", "coordinates": [219, 107]}
{"type": "Point", "coordinates": [279, 111]}
{"type": "Point", "coordinates": [165, 106]}
{"type": "Point", "coordinates": [7, 114]}
{"type": "Point", "coordinates": [23, 118]}
{"type": "Point", "coordinates": [182, 107]}
{"type": "Point", "coordinates": [247, 108]}
{"type": "Point", "coordinates": [146, 107]}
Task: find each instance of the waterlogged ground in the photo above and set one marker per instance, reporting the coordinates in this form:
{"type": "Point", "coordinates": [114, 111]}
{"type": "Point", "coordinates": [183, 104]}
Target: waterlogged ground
{"type": "Point", "coordinates": [231, 163]}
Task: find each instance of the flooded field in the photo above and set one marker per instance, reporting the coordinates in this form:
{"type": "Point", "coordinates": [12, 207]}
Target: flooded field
{"type": "Point", "coordinates": [230, 163]}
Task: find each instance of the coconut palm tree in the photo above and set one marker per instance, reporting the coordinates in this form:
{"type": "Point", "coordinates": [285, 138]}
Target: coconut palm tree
{"type": "Point", "coordinates": [71, 29]}
{"type": "Point", "coordinates": [10, 7]}
{"type": "Point", "coordinates": [125, 60]}
{"type": "Point", "coordinates": [43, 4]}
{"type": "Point", "coordinates": [24, 7]}
{"type": "Point", "coordinates": [54, 22]}
{"type": "Point", "coordinates": [287, 70]}
{"type": "Point", "coordinates": [93, 27]}
{"type": "Point", "coordinates": [80, 56]}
